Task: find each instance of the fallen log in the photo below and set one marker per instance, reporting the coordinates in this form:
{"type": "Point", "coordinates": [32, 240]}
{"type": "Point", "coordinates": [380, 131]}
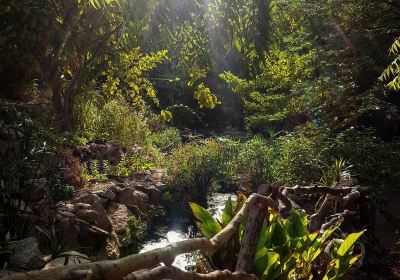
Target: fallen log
{"type": "Point", "coordinates": [164, 272]}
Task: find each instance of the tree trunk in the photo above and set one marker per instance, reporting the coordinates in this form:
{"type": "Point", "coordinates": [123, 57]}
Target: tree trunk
{"type": "Point", "coordinates": [259, 211]}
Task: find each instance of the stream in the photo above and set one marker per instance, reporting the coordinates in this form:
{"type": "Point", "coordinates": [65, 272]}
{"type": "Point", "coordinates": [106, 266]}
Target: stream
{"type": "Point", "coordinates": [182, 230]}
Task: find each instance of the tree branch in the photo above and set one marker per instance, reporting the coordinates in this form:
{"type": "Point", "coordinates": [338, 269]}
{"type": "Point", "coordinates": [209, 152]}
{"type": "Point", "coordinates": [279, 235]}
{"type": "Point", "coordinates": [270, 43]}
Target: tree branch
{"type": "Point", "coordinates": [164, 272]}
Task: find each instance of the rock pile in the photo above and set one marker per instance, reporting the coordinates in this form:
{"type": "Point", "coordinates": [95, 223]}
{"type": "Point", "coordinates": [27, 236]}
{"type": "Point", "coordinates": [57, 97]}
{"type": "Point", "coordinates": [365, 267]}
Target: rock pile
{"type": "Point", "coordinates": [98, 217]}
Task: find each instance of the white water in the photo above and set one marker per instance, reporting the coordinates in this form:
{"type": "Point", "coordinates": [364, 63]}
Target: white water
{"type": "Point", "coordinates": [215, 206]}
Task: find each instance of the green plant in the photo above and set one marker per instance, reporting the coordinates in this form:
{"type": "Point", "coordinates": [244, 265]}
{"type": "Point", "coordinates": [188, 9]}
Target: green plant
{"type": "Point", "coordinates": [285, 247]}
{"type": "Point", "coordinates": [253, 163]}
{"type": "Point", "coordinates": [167, 139]}
{"type": "Point", "coordinates": [137, 159]}
{"type": "Point", "coordinates": [392, 72]}
{"type": "Point", "coordinates": [335, 173]}
{"type": "Point", "coordinates": [53, 241]}
{"type": "Point", "coordinates": [134, 234]}
{"type": "Point", "coordinates": [200, 167]}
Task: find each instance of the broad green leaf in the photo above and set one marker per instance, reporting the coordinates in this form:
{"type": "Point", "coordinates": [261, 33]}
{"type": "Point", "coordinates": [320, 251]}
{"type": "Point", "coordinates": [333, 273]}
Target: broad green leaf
{"type": "Point", "coordinates": [227, 213]}
{"type": "Point", "coordinates": [207, 224]}
{"type": "Point", "coordinates": [348, 243]}
{"type": "Point", "coordinates": [297, 224]}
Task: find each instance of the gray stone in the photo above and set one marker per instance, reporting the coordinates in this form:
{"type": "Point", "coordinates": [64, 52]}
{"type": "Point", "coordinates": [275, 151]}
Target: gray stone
{"type": "Point", "coordinates": [26, 253]}
{"type": "Point", "coordinates": [103, 221]}
{"type": "Point", "coordinates": [109, 194]}
{"type": "Point", "coordinates": [119, 215]}
{"type": "Point", "coordinates": [89, 199]}
{"type": "Point", "coordinates": [128, 196]}
{"type": "Point", "coordinates": [69, 258]}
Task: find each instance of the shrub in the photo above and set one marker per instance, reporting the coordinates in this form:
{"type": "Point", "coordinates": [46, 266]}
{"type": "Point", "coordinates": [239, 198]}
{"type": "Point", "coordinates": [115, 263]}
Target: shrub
{"type": "Point", "coordinates": [110, 120]}
{"type": "Point", "coordinates": [193, 169]}
{"type": "Point", "coordinates": [135, 233]}
{"type": "Point", "coordinates": [167, 139]}
{"type": "Point", "coordinates": [253, 163]}
{"type": "Point", "coordinates": [297, 159]}
{"type": "Point", "coordinates": [373, 160]}
{"type": "Point", "coordinates": [137, 159]}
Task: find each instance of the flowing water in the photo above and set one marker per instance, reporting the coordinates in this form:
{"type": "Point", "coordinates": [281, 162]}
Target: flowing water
{"type": "Point", "coordinates": [183, 230]}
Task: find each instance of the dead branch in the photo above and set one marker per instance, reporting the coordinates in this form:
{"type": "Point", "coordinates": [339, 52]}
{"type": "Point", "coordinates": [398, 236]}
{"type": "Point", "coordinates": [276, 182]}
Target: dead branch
{"type": "Point", "coordinates": [258, 214]}
{"type": "Point", "coordinates": [298, 190]}
{"type": "Point", "coordinates": [164, 272]}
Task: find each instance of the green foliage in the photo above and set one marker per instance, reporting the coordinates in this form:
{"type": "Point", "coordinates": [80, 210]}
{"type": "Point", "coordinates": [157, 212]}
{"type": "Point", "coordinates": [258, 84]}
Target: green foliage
{"type": "Point", "coordinates": [298, 159]}
{"type": "Point", "coordinates": [138, 159]}
{"type": "Point", "coordinates": [167, 139]}
{"type": "Point", "coordinates": [335, 173]}
{"type": "Point", "coordinates": [392, 72]}
{"type": "Point", "coordinates": [285, 248]}
{"type": "Point", "coordinates": [125, 76]}
{"type": "Point", "coordinates": [200, 167]}
{"type": "Point", "coordinates": [135, 233]}
{"type": "Point", "coordinates": [253, 163]}
{"type": "Point", "coordinates": [111, 120]}
{"type": "Point", "coordinates": [207, 224]}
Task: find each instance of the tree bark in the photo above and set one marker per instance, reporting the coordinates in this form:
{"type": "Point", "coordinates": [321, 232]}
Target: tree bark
{"type": "Point", "coordinates": [164, 272]}
{"type": "Point", "coordinates": [259, 211]}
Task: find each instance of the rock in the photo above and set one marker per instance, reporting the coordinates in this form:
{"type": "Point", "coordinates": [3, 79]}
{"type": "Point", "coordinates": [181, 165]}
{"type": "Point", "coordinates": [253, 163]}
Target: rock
{"type": "Point", "coordinates": [119, 215]}
{"type": "Point", "coordinates": [108, 194]}
{"type": "Point", "coordinates": [103, 221]}
{"type": "Point", "coordinates": [26, 254]}
{"type": "Point", "coordinates": [89, 198]}
{"type": "Point", "coordinates": [161, 186]}
{"type": "Point", "coordinates": [154, 194]}
{"type": "Point", "coordinates": [70, 258]}
{"type": "Point", "coordinates": [80, 205]}
{"type": "Point", "coordinates": [91, 236]}
{"type": "Point", "coordinates": [128, 196]}
{"type": "Point", "coordinates": [112, 247]}
{"type": "Point", "coordinates": [71, 230]}
{"type": "Point", "coordinates": [87, 215]}
{"type": "Point", "coordinates": [6, 272]}
{"type": "Point", "coordinates": [67, 214]}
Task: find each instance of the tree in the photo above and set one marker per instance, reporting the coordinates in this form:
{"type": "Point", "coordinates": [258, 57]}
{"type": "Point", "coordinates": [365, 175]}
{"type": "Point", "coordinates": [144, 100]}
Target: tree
{"type": "Point", "coordinates": [72, 42]}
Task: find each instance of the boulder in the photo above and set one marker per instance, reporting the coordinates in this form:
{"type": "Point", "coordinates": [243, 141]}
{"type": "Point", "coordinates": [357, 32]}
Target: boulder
{"type": "Point", "coordinates": [108, 194]}
{"type": "Point", "coordinates": [88, 199]}
{"type": "Point", "coordinates": [91, 236]}
{"type": "Point", "coordinates": [129, 196]}
{"type": "Point", "coordinates": [80, 205]}
{"type": "Point", "coordinates": [26, 253]}
{"type": "Point", "coordinates": [67, 258]}
{"type": "Point", "coordinates": [87, 215]}
{"type": "Point", "coordinates": [119, 216]}
{"type": "Point", "coordinates": [70, 229]}
{"type": "Point", "coordinates": [103, 221]}
{"type": "Point", "coordinates": [154, 194]}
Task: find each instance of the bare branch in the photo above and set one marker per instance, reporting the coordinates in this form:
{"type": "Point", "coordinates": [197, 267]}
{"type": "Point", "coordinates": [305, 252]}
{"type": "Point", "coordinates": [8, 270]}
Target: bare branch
{"type": "Point", "coordinates": [164, 272]}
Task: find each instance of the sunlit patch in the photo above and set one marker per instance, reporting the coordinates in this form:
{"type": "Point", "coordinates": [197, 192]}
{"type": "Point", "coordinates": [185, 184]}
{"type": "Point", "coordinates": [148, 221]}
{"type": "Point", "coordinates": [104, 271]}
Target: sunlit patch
{"type": "Point", "coordinates": [174, 236]}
